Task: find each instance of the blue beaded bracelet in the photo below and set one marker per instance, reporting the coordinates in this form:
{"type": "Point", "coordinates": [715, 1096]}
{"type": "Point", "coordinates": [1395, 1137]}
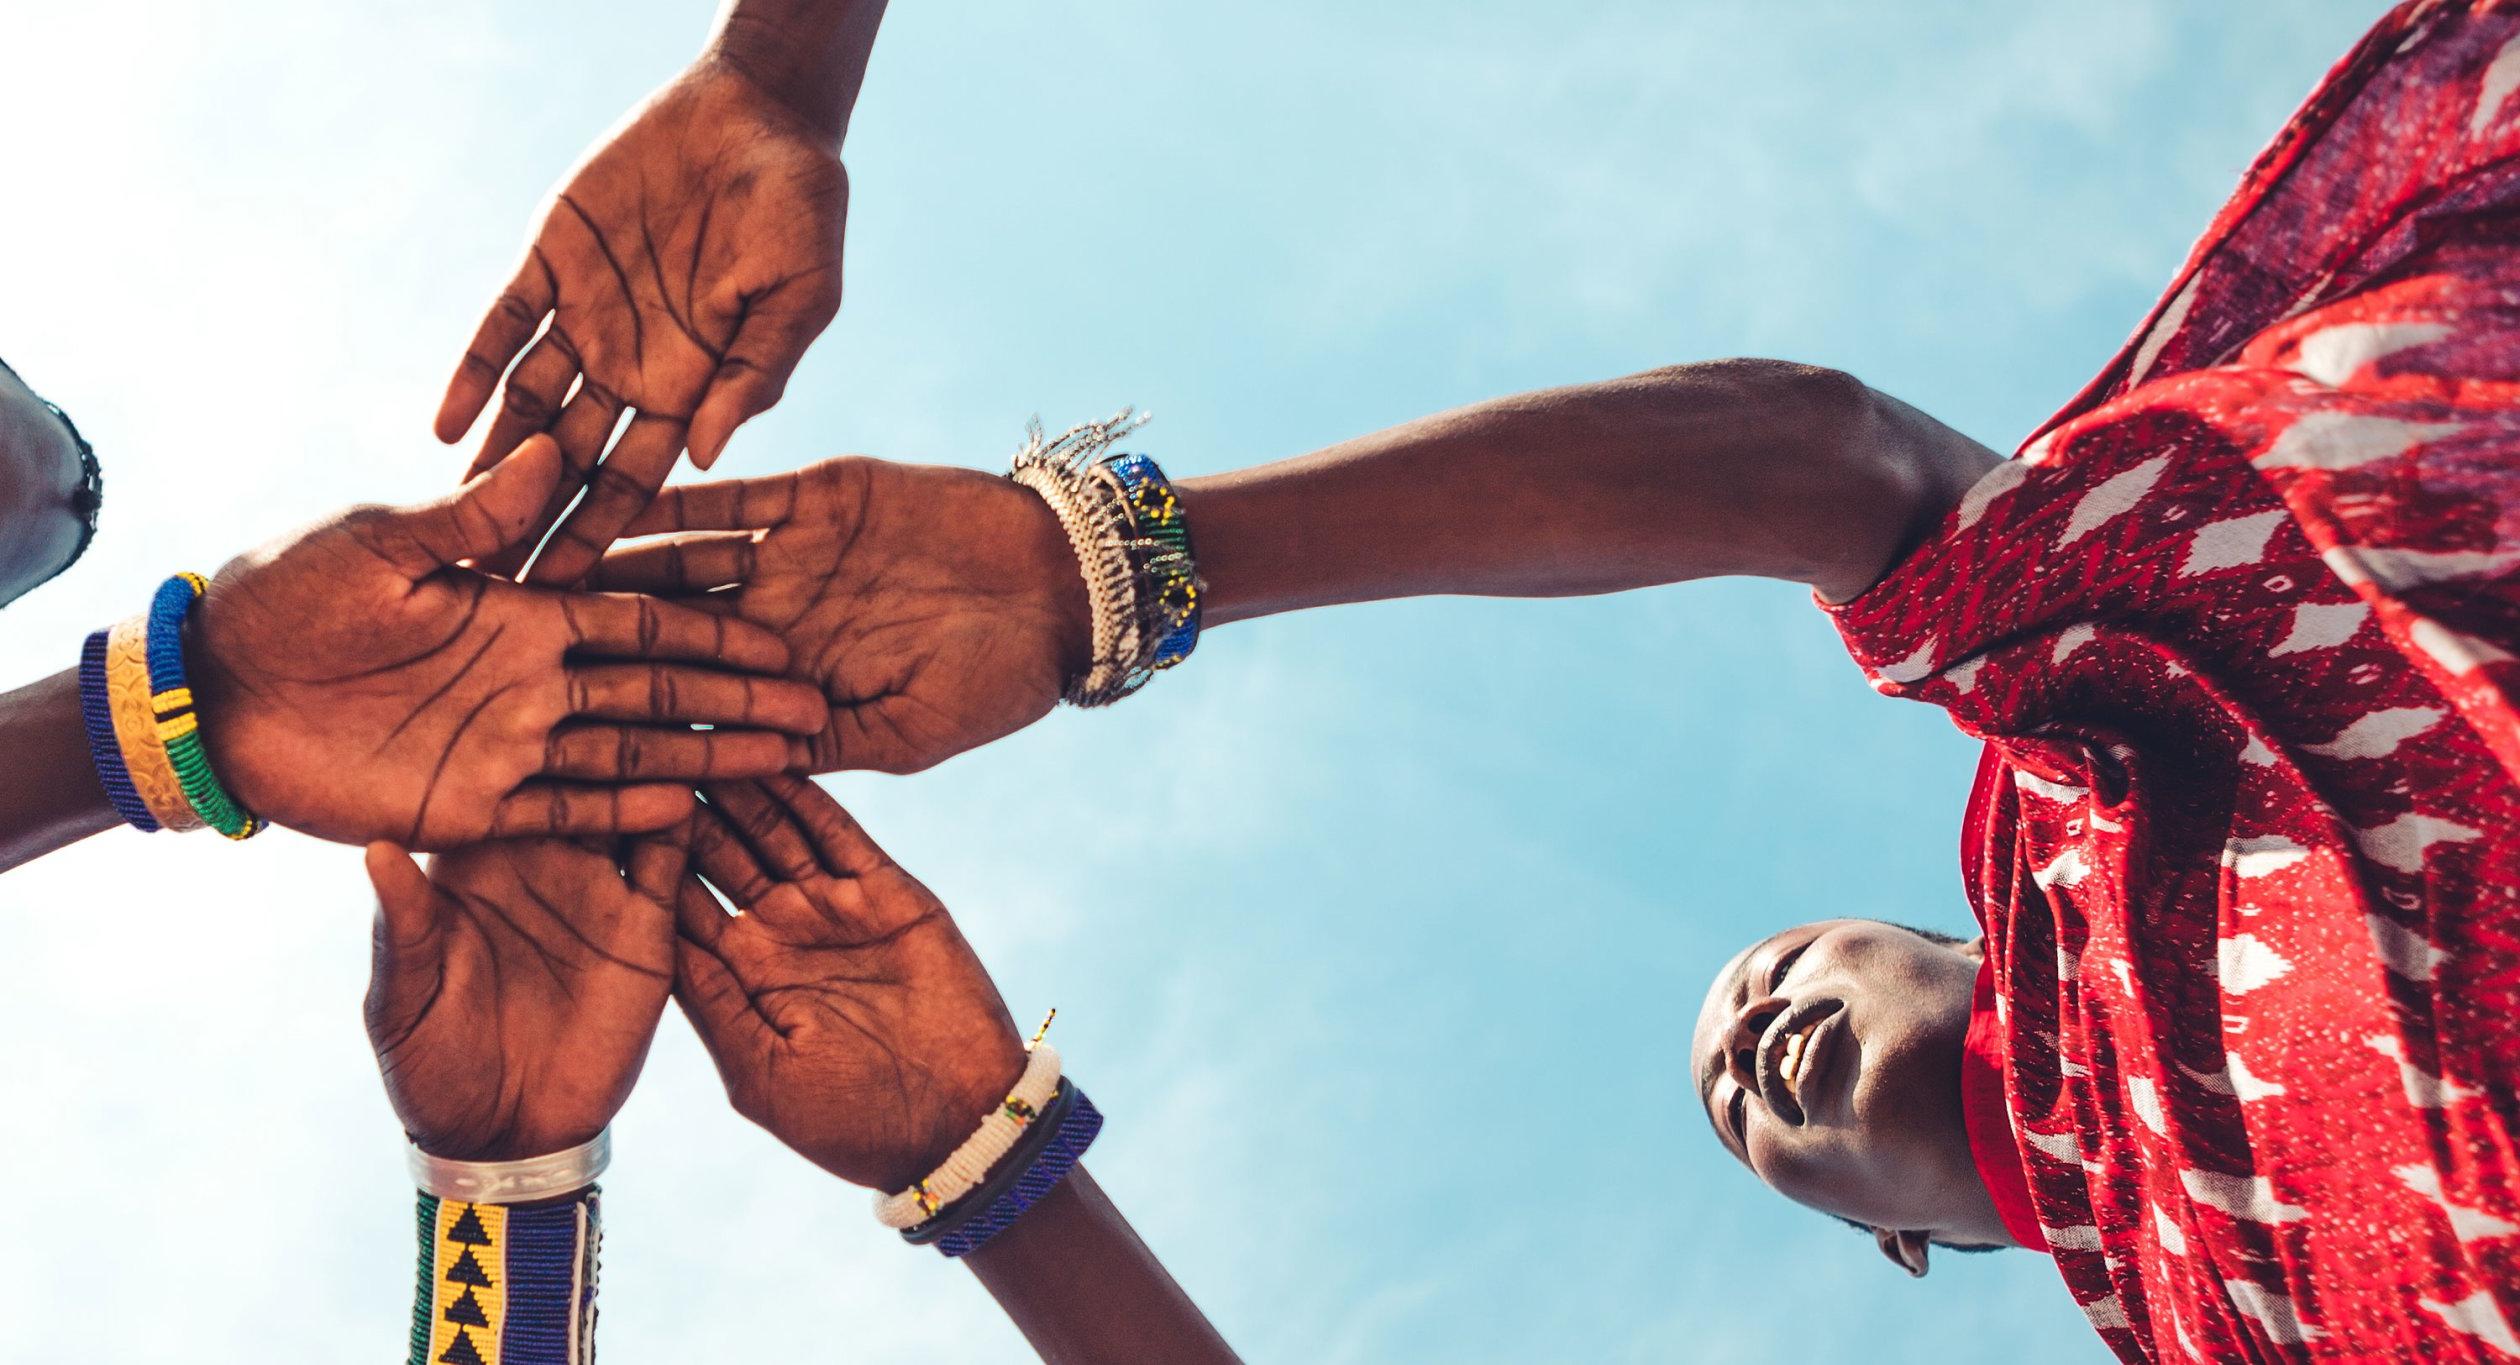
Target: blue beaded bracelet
{"type": "Point", "coordinates": [104, 749]}
{"type": "Point", "coordinates": [1073, 1132]}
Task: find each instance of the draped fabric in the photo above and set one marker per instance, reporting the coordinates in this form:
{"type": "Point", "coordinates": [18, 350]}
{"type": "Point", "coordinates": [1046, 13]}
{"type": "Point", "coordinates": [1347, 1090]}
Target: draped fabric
{"type": "Point", "coordinates": [2238, 628]}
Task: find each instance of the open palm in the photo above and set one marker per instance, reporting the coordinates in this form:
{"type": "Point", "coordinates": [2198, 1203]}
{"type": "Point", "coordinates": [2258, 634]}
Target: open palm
{"type": "Point", "coordinates": [843, 1009]}
{"type": "Point", "coordinates": [356, 684]}
{"type": "Point", "coordinates": [683, 267]}
{"type": "Point", "coordinates": [937, 608]}
{"type": "Point", "coordinates": [516, 988]}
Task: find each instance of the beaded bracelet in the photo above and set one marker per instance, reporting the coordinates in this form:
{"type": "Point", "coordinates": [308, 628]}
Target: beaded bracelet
{"type": "Point", "coordinates": [970, 1163]}
{"type": "Point", "coordinates": [1051, 1149]}
{"type": "Point", "coordinates": [144, 733]}
{"type": "Point", "coordinates": [96, 709]}
{"type": "Point", "coordinates": [1132, 543]}
{"type": "Point", "coordinates": [501, 1285]}
{"type": "Point", "coordinates": [178, 725]}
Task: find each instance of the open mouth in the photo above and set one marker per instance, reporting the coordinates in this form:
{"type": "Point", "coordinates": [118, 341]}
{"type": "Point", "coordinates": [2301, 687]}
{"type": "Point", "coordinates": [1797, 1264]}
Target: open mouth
{"type": "Point", "coordinates": [1790, 1057]}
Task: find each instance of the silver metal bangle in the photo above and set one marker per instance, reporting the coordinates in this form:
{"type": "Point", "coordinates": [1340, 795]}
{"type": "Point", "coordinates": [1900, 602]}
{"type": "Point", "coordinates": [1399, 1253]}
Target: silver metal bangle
{"type": "Point", "coordinates": [512, 1182]}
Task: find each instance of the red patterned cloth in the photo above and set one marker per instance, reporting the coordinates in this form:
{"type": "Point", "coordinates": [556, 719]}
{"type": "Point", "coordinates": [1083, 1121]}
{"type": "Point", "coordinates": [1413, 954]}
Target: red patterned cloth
{"type": "Point", "coordinates": [2238, 628]}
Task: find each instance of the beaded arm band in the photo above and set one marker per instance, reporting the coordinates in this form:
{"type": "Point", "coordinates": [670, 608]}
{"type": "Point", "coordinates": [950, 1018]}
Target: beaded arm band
{"type": "Point", "coordinates": [143, 730]}
{"type": "Point", "coordinates": [1132, 542]}
{"type": "Point", "coordinates": [502, 1284]}
{"type": "Point", "coordinates": [506, 1286]}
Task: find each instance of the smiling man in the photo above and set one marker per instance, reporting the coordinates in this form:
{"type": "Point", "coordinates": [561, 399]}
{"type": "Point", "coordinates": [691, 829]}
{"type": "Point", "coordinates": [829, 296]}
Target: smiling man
{"type": "Point", "coordinates": [1830, 1059]}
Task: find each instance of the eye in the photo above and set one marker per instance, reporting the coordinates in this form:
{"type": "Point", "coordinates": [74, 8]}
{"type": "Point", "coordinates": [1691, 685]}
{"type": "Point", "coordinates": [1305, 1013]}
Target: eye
{"type": "Point", "coordinates": [1776, 974]}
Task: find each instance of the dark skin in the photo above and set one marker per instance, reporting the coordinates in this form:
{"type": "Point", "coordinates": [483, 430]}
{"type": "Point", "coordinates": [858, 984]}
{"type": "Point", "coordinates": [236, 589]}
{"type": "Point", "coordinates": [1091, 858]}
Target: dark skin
{"type": "Point", "coordinates": [356, 684]}
{"type": "Point", "coordinates": [1828, 1059]}
{"type": "Point", "coordinates": [678, 274]}
{"type": "Point", "coordinates": [40, 478]}
{"type": "Point", "coordinates": [848, 1017]}
{"type": "Point", "coordinates": [940, 609]}
{"type": "Point", "coordinates": [516, 988]}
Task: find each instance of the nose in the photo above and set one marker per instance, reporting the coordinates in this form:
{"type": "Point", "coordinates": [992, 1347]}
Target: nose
{"type": "Point", "coordinates": [1741, 1045]}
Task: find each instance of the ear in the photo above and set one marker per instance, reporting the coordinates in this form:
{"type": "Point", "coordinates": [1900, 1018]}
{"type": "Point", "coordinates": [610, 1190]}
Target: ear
{"type": "Point", "coordinates": [1975, 949]}
{"type": "Point", "coordinates": [1906, 1250]}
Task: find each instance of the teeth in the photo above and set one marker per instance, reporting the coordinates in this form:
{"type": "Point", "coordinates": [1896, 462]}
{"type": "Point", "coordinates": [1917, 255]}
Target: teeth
{"type": "Point", "coordinates": [1789, 1063]}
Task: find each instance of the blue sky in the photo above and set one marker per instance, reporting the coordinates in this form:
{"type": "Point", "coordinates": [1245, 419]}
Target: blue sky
{"type": "Point", "coordinates": [1391, 1016]}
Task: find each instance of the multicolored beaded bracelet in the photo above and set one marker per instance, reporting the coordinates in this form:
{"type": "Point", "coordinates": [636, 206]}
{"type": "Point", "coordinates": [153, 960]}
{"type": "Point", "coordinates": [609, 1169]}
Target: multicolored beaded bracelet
{"type": "Point", "coordinates": [501, 1285]}
{"type": "Point", "coordinates": [144, 734]}
{"type": "Point", "coordinates": [1165, 559]}
{"type": "Point", "coordinates": [178, 724]}
{"type": "Point", "coordinates": [1131, 537]}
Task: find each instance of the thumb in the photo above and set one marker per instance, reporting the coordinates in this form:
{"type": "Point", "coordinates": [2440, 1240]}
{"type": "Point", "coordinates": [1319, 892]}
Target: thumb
{"type": "Point", "coordinates": [407, 944]}
{"type": "Point", "coordinates": [406, 907]}
{"type": "Point", "coordinates": [752, 377]}
{"type": "Point", "coordinates": [497, 508]}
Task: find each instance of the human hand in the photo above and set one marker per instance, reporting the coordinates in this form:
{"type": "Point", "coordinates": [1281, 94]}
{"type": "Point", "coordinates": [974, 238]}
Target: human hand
{"type": "Point", "coordinates": [843, 1009]}
{"type": "Point", "coordinates": [685, 265]}
{"type": "Point", "coordinates": [516, 987]}
{"type": "Point", "coordinates": [355, 685]}
{"type": "Point", "coordinates": [937, 608]}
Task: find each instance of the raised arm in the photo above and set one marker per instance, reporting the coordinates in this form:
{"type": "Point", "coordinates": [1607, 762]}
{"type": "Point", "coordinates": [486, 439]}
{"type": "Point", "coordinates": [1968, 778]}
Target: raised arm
{"type": "Point", "coordinates": [1751, 467]}
{"type": "Point", "coordinates": [683, 267]}
{"type": "Point", "coordinates": [940, 608]}
{"type": "Point", "coordinates": [517, 986]}
{"type": "Point", "coordinates": [849, 1018]}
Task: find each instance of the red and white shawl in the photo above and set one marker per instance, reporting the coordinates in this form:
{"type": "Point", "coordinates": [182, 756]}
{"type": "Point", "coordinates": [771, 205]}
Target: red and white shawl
{"type": "Point", "coordinates": [2238, 628]}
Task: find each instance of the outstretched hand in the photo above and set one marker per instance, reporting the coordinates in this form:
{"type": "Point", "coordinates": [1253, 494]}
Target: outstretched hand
{"type": "Point", "coordinates": [937, 608]}
{"type": "Point", "coordinates": [516, 988]}
{"type": "Point", "coordinates": [355, 684]}
{"type": "Point", "coordinates": [843, 1009]}
{"type": "Point", "coordinates": [684, 266]}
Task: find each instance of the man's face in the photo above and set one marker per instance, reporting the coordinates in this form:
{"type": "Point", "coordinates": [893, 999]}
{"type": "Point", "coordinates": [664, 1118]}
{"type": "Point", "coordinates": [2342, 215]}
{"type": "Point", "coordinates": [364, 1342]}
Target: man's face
{"type": "Point", "coordinates": [40, 481]}
{"type": "Point", "coordinates": [1828, 1057]}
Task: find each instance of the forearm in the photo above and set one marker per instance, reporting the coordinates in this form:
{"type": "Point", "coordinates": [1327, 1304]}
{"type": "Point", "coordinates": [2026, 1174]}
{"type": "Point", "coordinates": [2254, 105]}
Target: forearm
{"type": "Point", "coordinates": [52, 798]}
{"type": "Point", "coordinates": [1079, 1283]}
{"type": "Point", "coordinates": [1731, 467]}
{"type": "Point", "coordinates": [809, 54]}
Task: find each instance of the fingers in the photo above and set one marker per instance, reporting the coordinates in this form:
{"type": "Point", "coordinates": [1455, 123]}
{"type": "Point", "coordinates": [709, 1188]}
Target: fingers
{"type": "Point", "coordinates": [585, 427]}
{"type": "Point", "coordinates": [641, 753]}
{"type": "Point", "coordinates": [727, 505]}
{"type": "Point", "coordinates": [491, 512]}
{"type": "Point", "coordinates": [712, 995]}
{"type": "Point", "coordinates": [624, 626]}
{"type": "Point", "coordinates": [543, 807]}
{"type": "Point", "coordinates": [504, 330]}
{"type": "Point", "coordinates": [658, 693]}
{"type": "Point", "coordinates": [722, 856]}
{"type": "Point", "coordinates": [839, 842]}
{"type": "Point", "coordinates": [754, 373]}
{"type": "Point", "coordinates": [532, 398]}
{"type": "Point", "coordinates": [772, 836]}
{"type": "Point", "coordinates": [657, 863]}
{"type": "Point", "coordinates": [620, 489]}
{"type": "Point", "coordinates": [405, 902]}
{"type": "Point", "coordinates": [697, 561]}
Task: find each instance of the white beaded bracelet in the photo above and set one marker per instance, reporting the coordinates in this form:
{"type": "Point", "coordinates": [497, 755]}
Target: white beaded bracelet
{"type": "Point", "coordinates": [970, 1163]}
{"type": "Point", "coordinates": [1092, 508]}
{"type": "Point", "coordinates": [512, 1182]}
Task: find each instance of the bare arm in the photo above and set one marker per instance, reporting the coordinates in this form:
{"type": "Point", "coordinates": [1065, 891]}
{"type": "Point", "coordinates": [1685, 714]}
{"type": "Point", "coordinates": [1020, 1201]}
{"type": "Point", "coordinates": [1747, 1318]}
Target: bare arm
{"type": "Point", "coordinates": [809, 54]}
{"type": "Point", "coordinates": [52, 798]}
{"type": "Point", "coordinates": [1733, 467]}
{"type": "Point", "coordinates": [1074, 1277]}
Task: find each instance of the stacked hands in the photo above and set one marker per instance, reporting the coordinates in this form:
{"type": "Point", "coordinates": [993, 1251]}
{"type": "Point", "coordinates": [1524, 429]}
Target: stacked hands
{"type": "Point", "coordinates": [605, 749]}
